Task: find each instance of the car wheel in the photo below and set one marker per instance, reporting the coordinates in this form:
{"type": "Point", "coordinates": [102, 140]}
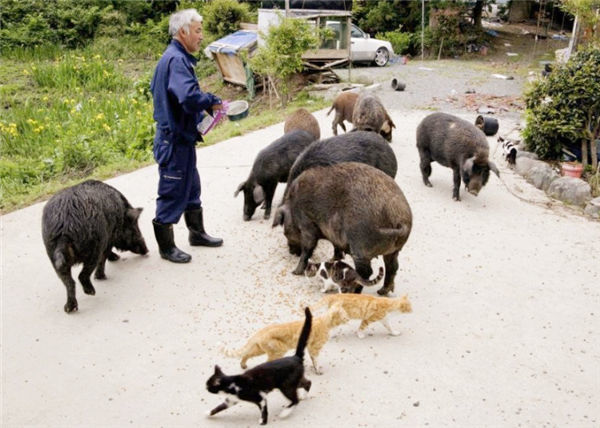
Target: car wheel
{"type": "Point", "coordinates": [382, 56]}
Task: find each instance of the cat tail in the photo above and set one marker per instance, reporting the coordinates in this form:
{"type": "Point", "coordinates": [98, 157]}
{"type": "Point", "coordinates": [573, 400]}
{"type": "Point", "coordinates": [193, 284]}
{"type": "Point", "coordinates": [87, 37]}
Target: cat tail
{"type": "Point", "coordinates": [233, 353]}
{"type": "Point", "coordinates": [369, 282]}
{"type": "Point", "coordinates": [303, 340]}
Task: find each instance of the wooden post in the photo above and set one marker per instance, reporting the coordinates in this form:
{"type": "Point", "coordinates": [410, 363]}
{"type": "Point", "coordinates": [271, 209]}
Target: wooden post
{"type": "Point", "coordinates": [422, 28]}
{"type": "Point", "coordinates": [287, 8]}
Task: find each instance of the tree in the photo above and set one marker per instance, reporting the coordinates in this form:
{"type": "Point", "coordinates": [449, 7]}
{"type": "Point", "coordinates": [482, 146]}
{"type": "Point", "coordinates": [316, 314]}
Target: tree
{"type": "Point", "coordinates": [281, 56]}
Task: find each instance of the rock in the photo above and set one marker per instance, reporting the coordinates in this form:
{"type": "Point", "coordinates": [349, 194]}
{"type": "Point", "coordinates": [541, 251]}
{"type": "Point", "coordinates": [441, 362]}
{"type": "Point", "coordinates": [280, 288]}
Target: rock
{"type": "Point", "coordinates": [593, 208]}
{"type": "Point", "coordinates": [524, 164]}
{"type": "Point", "coordinates": [541, 175]}
{"type": "Point", "coordinates": [570, 190]}
{"type": "Point", "coordinates": [526, 154]}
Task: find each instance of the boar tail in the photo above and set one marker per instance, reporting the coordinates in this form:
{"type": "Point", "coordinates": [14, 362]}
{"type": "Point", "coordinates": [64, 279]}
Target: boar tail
{"type": "Point", "coordinates": [60, 256]}
{"type": "Point", "coordinates": [398, 236]}
{"type": "Point", "coordinates": [331, 109]}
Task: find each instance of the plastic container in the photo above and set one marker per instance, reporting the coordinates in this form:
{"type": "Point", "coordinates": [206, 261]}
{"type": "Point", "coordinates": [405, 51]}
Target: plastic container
{"type": "Point", "coordinates": [488, 125]}
{"type": "Point", "coordinates": [397, 85]}
{"type": "Point", "coordinates": [209, 122]}
{"type": "Point", "coordinates": [238, 110]}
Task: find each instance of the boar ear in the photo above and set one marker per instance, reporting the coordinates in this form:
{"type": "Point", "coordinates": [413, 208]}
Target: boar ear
{"type": "Point", "coordinates": [239, 189]}
{"type": "Point", "coordinates": [494, 168]}
{"type": "Point", "coordinates": [278, 217]}
{"type": "Point", "coordinates": [468, 165]}
{"type": "Point", "coordinates": [134, 213]}
{"type": "Point", "coordinates": [259, 194]}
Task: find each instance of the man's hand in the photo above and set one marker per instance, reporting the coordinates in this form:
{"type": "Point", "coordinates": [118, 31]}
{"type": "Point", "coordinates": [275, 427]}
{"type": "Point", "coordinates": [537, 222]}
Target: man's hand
{"type": "Point", "coordinates": [217, 107]}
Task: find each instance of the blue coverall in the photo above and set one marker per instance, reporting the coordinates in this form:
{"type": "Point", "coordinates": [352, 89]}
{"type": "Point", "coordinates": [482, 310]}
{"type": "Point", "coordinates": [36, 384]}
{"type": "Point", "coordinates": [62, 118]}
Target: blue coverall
{"type": "Point", "coordinates": [178, 108]}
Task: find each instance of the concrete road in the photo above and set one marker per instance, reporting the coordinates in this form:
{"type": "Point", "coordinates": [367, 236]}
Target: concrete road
{"type": "Point", "coordinates": [504, 330]}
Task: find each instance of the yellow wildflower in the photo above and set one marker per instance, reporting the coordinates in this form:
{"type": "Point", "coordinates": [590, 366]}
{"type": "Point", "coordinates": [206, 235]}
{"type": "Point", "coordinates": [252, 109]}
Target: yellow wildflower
{"type": "Point", "coordinates": [106, 127]}
{"type": "Point", "coordinates": [100, 116]}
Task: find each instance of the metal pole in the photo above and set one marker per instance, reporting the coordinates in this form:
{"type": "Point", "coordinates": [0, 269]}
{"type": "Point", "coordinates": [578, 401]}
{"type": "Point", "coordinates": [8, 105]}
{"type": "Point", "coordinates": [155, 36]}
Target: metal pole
{"type": "Point", "coordinates": [422, 28]}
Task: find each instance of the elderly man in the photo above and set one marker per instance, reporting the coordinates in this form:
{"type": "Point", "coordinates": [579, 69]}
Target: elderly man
{"type": "Point", "coordinates": [179, 105]}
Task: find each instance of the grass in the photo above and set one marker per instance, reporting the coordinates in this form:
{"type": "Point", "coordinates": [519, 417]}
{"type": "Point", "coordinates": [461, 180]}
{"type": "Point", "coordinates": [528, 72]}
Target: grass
{"type": "Point", "coordinates": [69, 117]}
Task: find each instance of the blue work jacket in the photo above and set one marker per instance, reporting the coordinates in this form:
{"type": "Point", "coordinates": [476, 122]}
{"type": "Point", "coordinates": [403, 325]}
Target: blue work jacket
{"type": "Point", "coordinates": [178, 101]}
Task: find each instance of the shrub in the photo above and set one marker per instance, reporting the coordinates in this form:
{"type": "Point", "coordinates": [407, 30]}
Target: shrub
{"type": "Point", "coordinates": [281, 56]}
{"type": "Point", "coordinates": [222, 17]}
{"type": "Point", "coordinates": [402, 43]}
{"type": "Point", "coordinates": [564, 108]}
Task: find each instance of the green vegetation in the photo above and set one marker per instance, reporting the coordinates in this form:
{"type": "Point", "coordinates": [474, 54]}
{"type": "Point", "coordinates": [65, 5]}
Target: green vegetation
{"type": "Point", "coordinates": [74, 91]}
{"type": "Point", "coordinates": [281, 56]}
{"type": "Point", "coordinates": [564, 108]}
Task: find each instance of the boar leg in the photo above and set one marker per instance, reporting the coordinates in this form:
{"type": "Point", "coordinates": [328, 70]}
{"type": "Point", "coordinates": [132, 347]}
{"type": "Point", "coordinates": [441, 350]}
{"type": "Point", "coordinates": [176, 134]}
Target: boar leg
{"type": "Point", "coordinates": [64, 273]}
{"type": "Point", "coordinates": [84, 277]}
{"type": "Point", "coordinates": [391, 267]}
{"type": "Point", "coordinates": [99, 274]}
{"type": "Point", "coordinates": [363, 267]}
{"type": "Point", "coordinates": [338, 254]}
{"type": "Point", "coordinates": [425, 166]}
{"type": "Point", "coordinates": [456, 177]}
{"type": "Point", "coordinates": [308, 241]}
{"type": "Point", "coordinates": [269, 192]}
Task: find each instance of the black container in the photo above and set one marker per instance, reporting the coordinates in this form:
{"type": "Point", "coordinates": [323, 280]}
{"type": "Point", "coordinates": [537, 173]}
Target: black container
{"type": "Point", "coordinates": [488, 125]}
{"type": "Point", "coordinates": [397, 85]}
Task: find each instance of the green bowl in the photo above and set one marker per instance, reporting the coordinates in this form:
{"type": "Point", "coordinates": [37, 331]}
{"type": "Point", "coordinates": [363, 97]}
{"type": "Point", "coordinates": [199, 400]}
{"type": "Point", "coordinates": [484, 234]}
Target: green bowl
{"type": "Point", "coordinates": [238, 110]}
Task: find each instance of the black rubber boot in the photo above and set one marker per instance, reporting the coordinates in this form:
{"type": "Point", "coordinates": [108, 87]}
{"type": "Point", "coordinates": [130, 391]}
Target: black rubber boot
{"type": "Point", "coordinates": [195, 223]}
{"type": "Point", "coordinates": [166, 244]}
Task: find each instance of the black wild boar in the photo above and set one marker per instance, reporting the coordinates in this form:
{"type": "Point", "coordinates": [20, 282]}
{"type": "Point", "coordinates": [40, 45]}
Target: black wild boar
{"type": "Point", "coordinates": [358, 208]}
{"type": "Point", "coordinates": [456, 144]}
{"type": "Point", "coordinates": [81, 224]}
{"type": "Point", "coordinates": [271, 166]}
{"type": "Point", "coordinates": [304, 120]}
{"type": "Point", "coordinates": [360, 146]}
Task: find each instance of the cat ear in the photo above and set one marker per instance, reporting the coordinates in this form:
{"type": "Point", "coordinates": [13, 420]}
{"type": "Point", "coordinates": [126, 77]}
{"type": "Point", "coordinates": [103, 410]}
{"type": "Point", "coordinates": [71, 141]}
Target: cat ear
{"type": "Point", "coordinates": [218, 370]}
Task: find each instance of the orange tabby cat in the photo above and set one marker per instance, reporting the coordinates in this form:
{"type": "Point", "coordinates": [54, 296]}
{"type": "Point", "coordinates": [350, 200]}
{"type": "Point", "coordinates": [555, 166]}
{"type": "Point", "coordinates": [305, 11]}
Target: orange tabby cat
{"type": "Point", "coordinates": [367, 308]}
{"type": "Point", "coordinates": [276, 340]}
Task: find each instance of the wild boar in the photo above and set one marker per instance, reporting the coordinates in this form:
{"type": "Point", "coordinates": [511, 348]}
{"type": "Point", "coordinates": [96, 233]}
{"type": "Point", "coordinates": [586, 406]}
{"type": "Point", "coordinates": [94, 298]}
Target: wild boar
{"type": "Point", "coordinates": [358, 208]}
{"type": "Point", "coordinates": [81, 224]}
{"type": "Point", "coordinates": [370, 115]}
{"type": "Point", "coordinates": [456, 144]}
{"type": "Point", "coordinates": [304, 120]}
{"type": "Point", "coordinates": [360, 146]}
{"type": "Point", "coordinates": [271, 166]}
{"type": "Point", "coordinates": [344, 109]}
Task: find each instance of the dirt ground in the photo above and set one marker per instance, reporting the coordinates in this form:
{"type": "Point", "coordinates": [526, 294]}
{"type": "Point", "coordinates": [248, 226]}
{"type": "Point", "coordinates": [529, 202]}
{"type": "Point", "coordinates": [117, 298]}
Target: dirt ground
{"type": "Point", "coordinates": [503, 287]}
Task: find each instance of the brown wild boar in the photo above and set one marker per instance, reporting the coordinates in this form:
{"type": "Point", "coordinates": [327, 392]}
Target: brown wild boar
{"type": "Point", "coordinates": [302, 119]}
{"type": "Point", "coordinates": [357, 207]}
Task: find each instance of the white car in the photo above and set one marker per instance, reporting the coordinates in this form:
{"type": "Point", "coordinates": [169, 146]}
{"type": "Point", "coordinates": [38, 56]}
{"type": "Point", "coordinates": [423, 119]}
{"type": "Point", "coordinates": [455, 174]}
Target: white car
{"type": "Point", "coordinates": [364, 48]}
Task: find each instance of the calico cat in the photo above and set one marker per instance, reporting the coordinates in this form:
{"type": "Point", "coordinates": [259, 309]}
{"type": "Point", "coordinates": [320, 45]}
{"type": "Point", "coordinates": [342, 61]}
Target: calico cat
{"type": "Point", "coordinates": [367, 308]}
{"type": "Point", "coordinates": [275, 340]}
{"type": "Point", "coordinates": [285, 374]}
{"type": "Point", "coordinates": [339, 276]}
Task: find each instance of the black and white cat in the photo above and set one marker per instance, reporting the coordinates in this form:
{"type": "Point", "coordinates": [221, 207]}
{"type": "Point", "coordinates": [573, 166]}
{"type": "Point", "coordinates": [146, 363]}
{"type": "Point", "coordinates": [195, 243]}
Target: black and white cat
{"type": "Point", "coordinates": [285, 374]}
{"type": "Point", "coordinates": [339, 276]}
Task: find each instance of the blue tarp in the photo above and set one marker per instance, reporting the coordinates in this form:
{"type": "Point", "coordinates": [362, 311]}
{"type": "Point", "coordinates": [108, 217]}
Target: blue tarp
{"type": "Point", "coordinates": [232, 43]}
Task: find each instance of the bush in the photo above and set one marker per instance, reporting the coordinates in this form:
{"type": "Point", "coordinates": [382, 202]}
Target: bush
{"type": "Point", "coordinates": [564, 108]}
{"type": "Point", "coordinates": [402, 43]}
{"type": "Point", "coordinates": [281, 56]}
{"type": "Point", "coordinates": [223, 17]}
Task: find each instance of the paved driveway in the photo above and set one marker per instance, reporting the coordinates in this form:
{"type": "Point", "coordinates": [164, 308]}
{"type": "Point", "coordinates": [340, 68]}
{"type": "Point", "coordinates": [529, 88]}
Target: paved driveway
{"type": "Point", "coordinates": [504, 331]}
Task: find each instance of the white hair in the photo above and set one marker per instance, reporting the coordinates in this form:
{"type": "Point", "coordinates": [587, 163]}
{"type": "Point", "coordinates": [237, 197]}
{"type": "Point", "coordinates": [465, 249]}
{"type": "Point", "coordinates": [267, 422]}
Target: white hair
{"type": "Point", "coordinates": [183, 19]}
